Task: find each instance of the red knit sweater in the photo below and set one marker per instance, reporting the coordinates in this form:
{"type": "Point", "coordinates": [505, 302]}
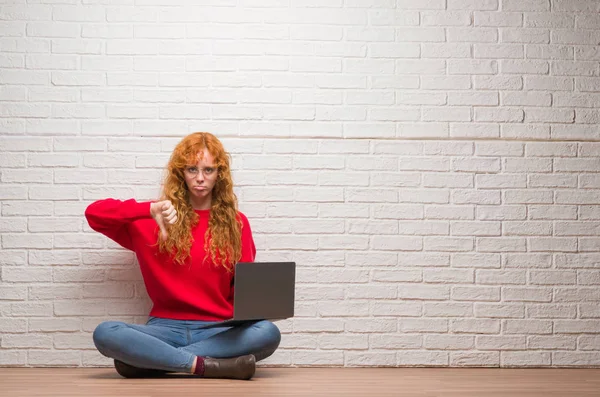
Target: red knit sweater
{"type": "Point", "coordinates": [197, 290]}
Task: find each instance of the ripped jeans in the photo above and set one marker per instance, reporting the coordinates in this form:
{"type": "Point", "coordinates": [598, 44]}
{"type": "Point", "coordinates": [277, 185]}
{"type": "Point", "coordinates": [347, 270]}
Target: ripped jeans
{"type": "Point", "coordinates": [172, 345]}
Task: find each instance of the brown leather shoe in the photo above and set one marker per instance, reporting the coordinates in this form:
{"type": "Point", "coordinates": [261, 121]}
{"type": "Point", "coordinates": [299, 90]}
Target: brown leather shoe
{"type": "Point", "coordinates": [129, 371]}
{"type": "Point", "coordinates": [242, 367]}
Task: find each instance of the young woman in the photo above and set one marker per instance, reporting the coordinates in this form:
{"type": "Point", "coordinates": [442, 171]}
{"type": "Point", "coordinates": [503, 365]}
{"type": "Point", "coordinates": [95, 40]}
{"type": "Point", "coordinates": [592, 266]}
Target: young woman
{"type": "Point", "coordinates": [186, 245]}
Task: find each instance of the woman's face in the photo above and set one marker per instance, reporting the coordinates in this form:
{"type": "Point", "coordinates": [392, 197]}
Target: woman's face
{"type": "Point", "coordinates": [200, 179]}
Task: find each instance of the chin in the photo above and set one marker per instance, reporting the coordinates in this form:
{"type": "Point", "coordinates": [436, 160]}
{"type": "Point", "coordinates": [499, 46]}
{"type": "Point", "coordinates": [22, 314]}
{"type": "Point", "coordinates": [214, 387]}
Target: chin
{"type": "Point", "coordinates": [203, 193]}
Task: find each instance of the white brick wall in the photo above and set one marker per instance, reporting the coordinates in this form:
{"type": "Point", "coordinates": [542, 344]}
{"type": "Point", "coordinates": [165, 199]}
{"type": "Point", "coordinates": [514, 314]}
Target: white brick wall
{"type": "Point", "coordinates": [429, 165]}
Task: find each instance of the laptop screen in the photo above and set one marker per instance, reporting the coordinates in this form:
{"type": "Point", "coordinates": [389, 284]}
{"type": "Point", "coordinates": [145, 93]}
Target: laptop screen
{"type": "Point", "coordinates": [264, 290]}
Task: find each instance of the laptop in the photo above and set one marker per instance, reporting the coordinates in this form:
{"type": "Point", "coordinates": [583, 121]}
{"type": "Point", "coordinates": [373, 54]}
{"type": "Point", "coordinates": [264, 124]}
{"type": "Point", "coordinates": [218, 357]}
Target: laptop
{"type": "Point", "coordinates": [263, 291]}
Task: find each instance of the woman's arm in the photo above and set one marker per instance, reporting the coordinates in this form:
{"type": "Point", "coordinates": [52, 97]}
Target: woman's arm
{"type": "Point", "coordinates": [111, 217]}
{"type": "Point", "coordinates": [248, 248]}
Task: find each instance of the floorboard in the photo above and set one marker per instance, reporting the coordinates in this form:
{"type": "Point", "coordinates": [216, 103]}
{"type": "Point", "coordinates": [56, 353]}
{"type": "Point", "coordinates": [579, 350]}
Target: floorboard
{"type": "Point", "coordinates": [369, 382]}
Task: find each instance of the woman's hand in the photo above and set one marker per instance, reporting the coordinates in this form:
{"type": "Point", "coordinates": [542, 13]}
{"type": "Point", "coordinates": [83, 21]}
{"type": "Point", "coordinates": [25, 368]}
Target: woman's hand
{"type": "Point", "coordinates": [163, 213]}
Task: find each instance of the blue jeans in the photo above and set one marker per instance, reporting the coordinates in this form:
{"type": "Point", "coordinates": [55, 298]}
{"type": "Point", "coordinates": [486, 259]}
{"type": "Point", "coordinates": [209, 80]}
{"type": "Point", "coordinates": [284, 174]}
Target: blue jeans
{"type": "Point", "coordinates": [172, 345]}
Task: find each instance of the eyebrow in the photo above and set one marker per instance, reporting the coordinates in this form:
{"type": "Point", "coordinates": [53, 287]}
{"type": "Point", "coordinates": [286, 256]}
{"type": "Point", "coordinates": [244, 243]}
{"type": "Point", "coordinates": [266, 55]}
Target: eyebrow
{"type": "Point", "coordinates": [208, 166]}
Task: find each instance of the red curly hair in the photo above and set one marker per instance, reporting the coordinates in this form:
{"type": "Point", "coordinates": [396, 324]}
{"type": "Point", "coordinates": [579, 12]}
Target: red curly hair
{"type": "Point", "coordinates": [222, 241]}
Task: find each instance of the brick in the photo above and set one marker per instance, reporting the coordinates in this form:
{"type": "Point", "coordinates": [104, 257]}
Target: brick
{"type": "Point", "coordinates": [448, 342]}
{"type": "Point", "coordinates": [393, 341]}
{"type": "Point", "coordinates": [469, 35]}
{"type": "Point", "coordinates": [369, 227]}
{"type": "Point", "coordinates": [333, 242]}
{"type": "Point", "coordinates": [318, 325]}
{"type": "Point", "coordinates": [547, 116]}
{"type": "Point", "coordinates": [549, 20]}
{"type": "Point", "coordinates": [475, 359]}
{"type": "Point", "coordinates": [54, 325]}
{"type": "Point", "coordinates": [423, 228]}
{"type": "Point", "coordinates": [31, 341]}
{"type": "Point", "coordinates": [555, 244]}
{"type": "Point", "coordinates": [549, 51]}
{"type": "Point", "coordinates": [527, 260]}
{"type": "Point", "coordinates": [399, 309]}
{"type": "Point", "coordinates": [320, 292]}
{"type": "Point", "coordinates": [423, 292]}
{"type": "Point", "coordinates": [423, 358]}
{"type": "Point", "coordinates": [13, 326]}
{"type": "Point", "coordinates": [552, 342]}
{"type": "Point", "coordinates": [311, 358]}
{"type": "Point", "coordinates": [506, 212]}
{"type": "Point", "coordinates": [464, 293]}
{"type": "Point", "coordinates": [446, 82]}
{"type": "Point", "coordinates": [500, 277]}
{"type": "Point", "coordinates": [407, 130]}
{"type": "Point", "coordinates": [424, 259]}
{"type": "Point", "coordinates": [45, 358]}
{"type": "Point", "coordinates": [580, 294]}
{"type": "Point", "coordinates": [576, 326]}
{"type": "Point", "coordinates": [503, 180]}
{"type": "Point", "coordinates": [495, 51]}
{"type": "Point", "coordinates": [542, 83]}
{"type": "Point", "coordinates": [507, 115]}
{"type": "Point", "coordinates": [497, 19]}
{"type": "Point", "coordinates": [477, 98]}
{"type": "Point", "coordinates": [574, 132]}
{"type": "Point", "coordinates": [525, 359]}
{"type": "Point", "coordinates": [372, 292]}
{"type": "Point", "coordinates": [526, 228]}
{"type": "Point", "coordinates": [439, 180]}
{"type": "Point", "coordinates": [358, 342]}
{"type": "Point", "coordinates": [529, 326]}
{"type": "Point", "coordinates": [552, 212]}
{"type": "Point", "coordinates": [343, 308]}
{"type": "Point", "coordinates": [448, 275]}
{"type": "Point", "coordinates": [476, 260]}
{"type": "Point", "coordinates": [528, 5]}
{"type": "Point", "coordinates": [29, 309]}
{"type": "Point", "coordinates": [40, 241]}
{"type": "Point", "coordinates": [588, 342]}
{"type": "Point", "coordinates": [82, 341]}
{"type": "Point", "coordinates": [475, 326]}
{"type": "Point", "coordinates": [503, 310]}
{"type": "Point", "coordinates": [299, 342]}
{"type": "Point", "coordinates": [450, 212]}
{"type": "Point", "coordinates": [525, 35]}
{"type": "Point", "coordinates": [446, 50]}
{"type": "Point", "coordinates": [566, 359]}
{"type": "Point", "coordinates": [13, 358]}
{"type": "Point", "coordinates": [530, 165]}
{"type": "Point", "coordinates": [552, 311]}
{"type": "Point", "coordinates": [378, 325]}
{"type": "Point", "coordinates": [570, 260]}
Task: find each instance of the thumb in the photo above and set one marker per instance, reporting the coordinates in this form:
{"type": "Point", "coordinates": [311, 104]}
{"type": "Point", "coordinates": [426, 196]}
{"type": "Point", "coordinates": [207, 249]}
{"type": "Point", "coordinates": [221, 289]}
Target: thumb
{"type": "Point", "coordinates": [162, 227]}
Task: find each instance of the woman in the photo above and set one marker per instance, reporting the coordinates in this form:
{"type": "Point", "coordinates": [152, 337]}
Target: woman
{"type": "Point", "coordinates": [186, 245]}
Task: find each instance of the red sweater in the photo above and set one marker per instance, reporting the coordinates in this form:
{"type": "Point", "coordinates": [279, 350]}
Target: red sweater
{"type": "Point", "coordinates": [196, 290]}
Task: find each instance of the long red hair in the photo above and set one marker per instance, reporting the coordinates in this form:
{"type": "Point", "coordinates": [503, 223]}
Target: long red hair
{"type": "Point", "coordinates": [222, 241]}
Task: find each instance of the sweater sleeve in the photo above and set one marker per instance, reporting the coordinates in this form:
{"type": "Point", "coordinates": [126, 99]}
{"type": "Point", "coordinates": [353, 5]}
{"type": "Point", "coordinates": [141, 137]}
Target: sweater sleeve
{"type": "Point", "coordinates": [112, 217]}
{"type": "Point", "coordinates": [248, 248]}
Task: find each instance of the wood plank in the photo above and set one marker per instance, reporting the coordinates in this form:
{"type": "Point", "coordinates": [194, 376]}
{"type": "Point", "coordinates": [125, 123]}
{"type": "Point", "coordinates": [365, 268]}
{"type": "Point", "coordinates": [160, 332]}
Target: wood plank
{"type": "Point", "coordinates": [294, 382]}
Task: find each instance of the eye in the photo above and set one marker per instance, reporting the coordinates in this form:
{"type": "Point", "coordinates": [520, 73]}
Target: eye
{"type": "Point", "coordinates": [209, 170]}
{"type": "Point", "coordinates": [192, 170]}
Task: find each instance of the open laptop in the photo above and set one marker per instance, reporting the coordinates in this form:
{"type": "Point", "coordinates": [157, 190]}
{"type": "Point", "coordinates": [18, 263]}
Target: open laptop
{"type": "Point", "coordinates": [263, 291]}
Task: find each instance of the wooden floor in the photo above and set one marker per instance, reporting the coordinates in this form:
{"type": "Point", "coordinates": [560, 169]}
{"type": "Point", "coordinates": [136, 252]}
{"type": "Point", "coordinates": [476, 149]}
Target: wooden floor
{"type": "Point", "coordinates": [369, 382]}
